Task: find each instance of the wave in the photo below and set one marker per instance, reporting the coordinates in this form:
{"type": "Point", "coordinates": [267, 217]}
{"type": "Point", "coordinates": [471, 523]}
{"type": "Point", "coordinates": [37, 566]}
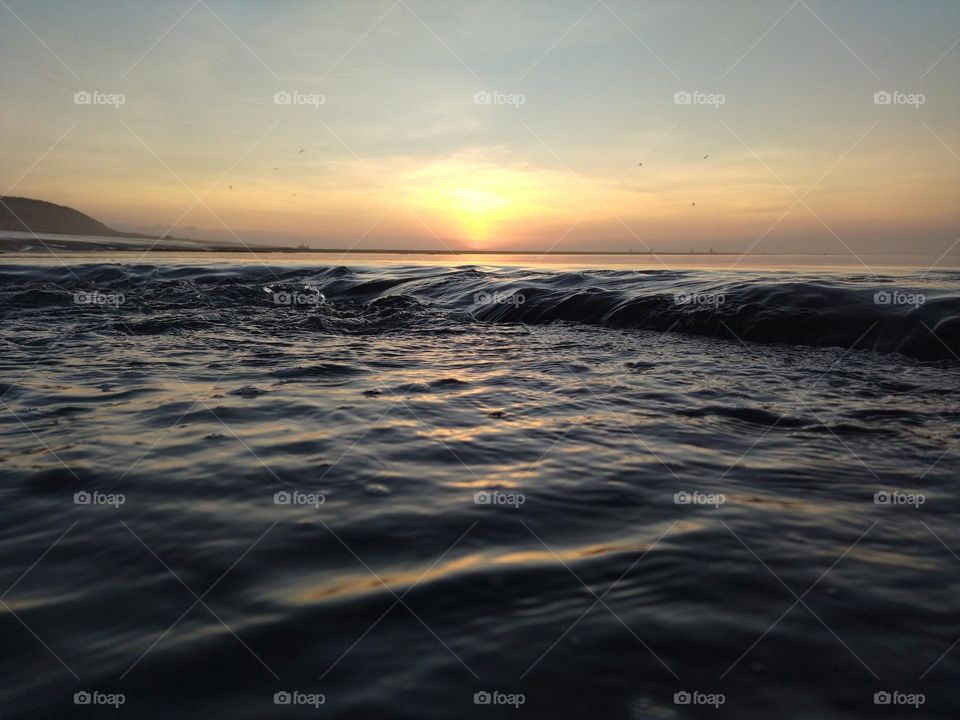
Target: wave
{"type": "Point", "coordinates": [914, 315]}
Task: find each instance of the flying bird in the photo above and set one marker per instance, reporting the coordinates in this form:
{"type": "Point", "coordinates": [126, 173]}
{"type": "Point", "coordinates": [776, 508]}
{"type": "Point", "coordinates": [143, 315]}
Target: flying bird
{"type": "Point", "coordinates": [706, 156]}
{"type": "Point", "coordinates": [300, 151]}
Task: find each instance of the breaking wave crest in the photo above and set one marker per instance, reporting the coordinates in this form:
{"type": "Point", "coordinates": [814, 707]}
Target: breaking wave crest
{"type": "Point", "coordinates": [917, 316]}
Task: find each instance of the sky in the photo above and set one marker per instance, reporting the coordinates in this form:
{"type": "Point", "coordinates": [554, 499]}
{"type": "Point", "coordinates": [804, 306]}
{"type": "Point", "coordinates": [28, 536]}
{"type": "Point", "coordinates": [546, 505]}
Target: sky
{"type": "Point", "coordinates": [489, 125]}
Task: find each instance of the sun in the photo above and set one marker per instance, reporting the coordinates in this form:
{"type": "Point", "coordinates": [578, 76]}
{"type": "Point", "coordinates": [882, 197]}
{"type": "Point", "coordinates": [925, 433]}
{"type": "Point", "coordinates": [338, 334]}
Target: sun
{"type": "Point", "coordinates": [479, 202]}
{"type": "Point", "coordinates": [477, 212]}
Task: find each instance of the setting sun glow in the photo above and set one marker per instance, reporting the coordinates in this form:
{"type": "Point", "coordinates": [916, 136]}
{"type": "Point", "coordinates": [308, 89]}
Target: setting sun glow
{"type": "Point", "coordinates": [478, 211]}
{"type": "Point", "coordinates": [484, 203]}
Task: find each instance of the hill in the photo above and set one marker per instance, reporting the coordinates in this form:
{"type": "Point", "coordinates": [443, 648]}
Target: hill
{"type": "Point", "coordinates": [41, 227]}
{"type": "Point", "coordinates": [37, 216]}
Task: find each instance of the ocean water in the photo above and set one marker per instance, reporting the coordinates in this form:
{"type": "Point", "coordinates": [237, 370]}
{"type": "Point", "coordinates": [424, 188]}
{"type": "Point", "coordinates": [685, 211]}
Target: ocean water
{"type": "Point", "coordinates": [439, 490]}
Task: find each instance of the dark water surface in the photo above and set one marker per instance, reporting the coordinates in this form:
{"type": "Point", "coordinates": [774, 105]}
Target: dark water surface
{"type": "Point", "coordinates": [578, 404]}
